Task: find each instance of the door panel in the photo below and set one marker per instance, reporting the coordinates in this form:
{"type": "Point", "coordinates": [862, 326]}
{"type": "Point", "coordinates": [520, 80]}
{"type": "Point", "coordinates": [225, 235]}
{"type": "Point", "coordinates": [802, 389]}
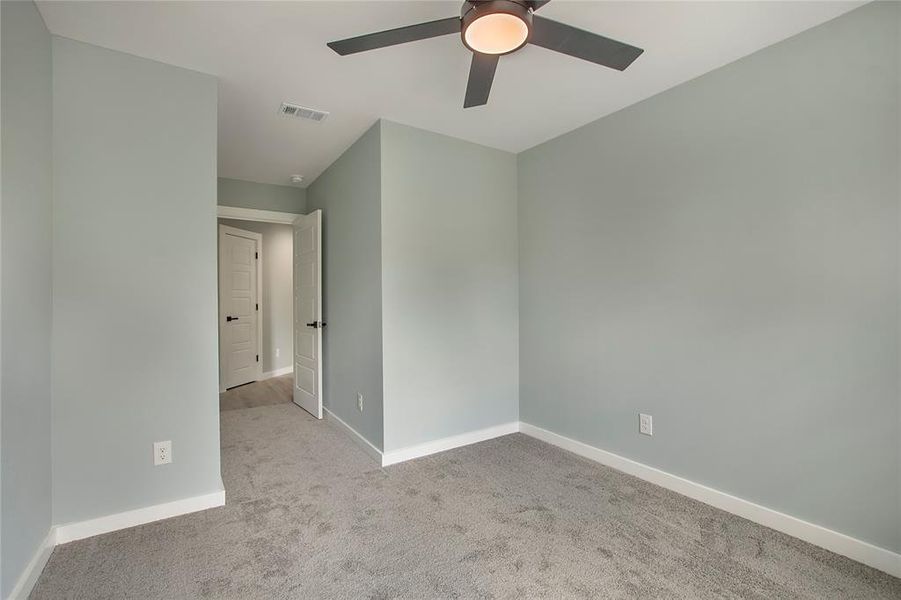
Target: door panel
{"type": "Point", "coordinates": [308, 313]}
{"type": "Point", "coordinates": [238, 306]}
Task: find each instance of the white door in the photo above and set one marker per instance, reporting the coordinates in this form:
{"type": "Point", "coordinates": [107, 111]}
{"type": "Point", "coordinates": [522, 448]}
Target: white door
{"type": "Point", "coordinates": [239, 297]}
{"type": "Point", "coordinates": [308, 313]}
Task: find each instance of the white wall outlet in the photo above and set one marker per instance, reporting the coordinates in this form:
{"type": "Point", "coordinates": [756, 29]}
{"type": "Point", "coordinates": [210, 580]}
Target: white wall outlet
{"type": "Point", "coordinates": [360, 402]}
{"type": "Point", "coordinates": [162, 453]}
{"type": "Point", "coordinates": [645, 424]}
{"type": "Point", "coordinates": [278, 351]}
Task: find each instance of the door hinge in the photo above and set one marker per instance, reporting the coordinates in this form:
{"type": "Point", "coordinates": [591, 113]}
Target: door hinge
{"type": "Point", "coordinates": [258, 358]}
{"type": "Point", "coordinates": [256, 255]}
{"type": "Point", "coordinates": [258, 306]}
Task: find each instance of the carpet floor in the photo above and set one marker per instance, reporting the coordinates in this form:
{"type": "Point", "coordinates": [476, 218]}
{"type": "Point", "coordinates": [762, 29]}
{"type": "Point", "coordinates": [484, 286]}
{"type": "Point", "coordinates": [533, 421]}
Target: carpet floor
{"type": "Point", "coordinates": [309, 515]}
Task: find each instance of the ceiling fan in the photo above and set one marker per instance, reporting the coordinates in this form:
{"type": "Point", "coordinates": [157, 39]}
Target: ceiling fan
{"type": "Point", "coordinates": [492, 28]}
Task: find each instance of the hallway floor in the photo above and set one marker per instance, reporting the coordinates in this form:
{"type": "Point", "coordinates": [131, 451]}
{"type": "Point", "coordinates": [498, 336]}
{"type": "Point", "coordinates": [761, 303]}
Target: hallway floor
{"type": "Point", "coordinates": [309, 515]}
{"type": "Point", "coordinates": [277, 390]}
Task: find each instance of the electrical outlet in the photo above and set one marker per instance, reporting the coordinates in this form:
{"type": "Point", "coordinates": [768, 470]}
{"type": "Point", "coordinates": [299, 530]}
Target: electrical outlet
{"type": "Point", "coordinates": [645, 424]}
{"type": "Point", "coordinates": [162, 453]}
{"type": "Point", "coordinates": [278, 352]}
{"type": "Point", "coordinates": [360, 402]}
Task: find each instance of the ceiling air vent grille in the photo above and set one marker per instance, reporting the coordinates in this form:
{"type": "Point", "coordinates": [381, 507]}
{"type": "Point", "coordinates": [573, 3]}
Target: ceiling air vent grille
{"type": "Point", "coordinates": [302, 112]}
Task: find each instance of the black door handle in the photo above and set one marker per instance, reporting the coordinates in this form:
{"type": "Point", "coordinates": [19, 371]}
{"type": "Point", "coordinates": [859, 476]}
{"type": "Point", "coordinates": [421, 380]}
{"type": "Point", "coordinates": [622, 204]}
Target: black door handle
{"type": "Point", "coordinates": [231, 318]}
{"type": "Point", "coordinates": [316, 324]}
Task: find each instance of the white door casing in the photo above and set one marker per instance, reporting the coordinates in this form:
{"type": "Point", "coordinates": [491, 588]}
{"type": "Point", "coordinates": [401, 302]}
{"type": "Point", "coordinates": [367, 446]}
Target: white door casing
{"type": "Point", "coordinates": [240, 322]}
{"type": "Point", "coordinates": [308, 313]}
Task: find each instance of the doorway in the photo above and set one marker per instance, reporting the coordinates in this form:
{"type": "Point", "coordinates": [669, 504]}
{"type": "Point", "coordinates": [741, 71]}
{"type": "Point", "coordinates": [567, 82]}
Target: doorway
{"type": "Point", "coordinates": [270, 299]}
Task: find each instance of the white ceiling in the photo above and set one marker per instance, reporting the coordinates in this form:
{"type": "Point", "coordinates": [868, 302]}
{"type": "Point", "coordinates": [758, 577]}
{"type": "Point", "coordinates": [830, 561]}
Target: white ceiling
{"type": "Point", "coordinates": [268, 52]}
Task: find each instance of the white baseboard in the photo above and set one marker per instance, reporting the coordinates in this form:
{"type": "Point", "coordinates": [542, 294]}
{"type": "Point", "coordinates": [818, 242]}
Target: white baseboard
{"type": "Point", "coordinates": [34, 567]}
{"type": "Point", "coordinates": [61, 534]}
{"type": "Point", "coordinates": [454, 441]}
{"type": "Point", "coordinates": [139, 516]}
{"type": "Point", "coordinates": [362, 442]}
{"type": "Point", "coordinates": [864, 552]}
{"type": "Point", "coordinates": [277, 372]}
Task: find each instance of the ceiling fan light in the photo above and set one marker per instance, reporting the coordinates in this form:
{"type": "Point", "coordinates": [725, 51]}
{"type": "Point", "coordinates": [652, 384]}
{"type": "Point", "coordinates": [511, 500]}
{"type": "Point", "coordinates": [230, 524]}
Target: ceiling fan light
{"type": "Point", "coordinates": [497, 33]}
{"type": "Point", "coordinates": [495, 27]}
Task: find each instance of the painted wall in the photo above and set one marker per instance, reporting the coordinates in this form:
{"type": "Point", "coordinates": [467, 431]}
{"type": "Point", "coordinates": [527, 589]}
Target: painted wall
{"type": "Point", "coordinates": [263, 196]}
{"type": "Point", "coordinates": [349, 195]}
{"type": "Point", "coordinates": [724, 256]}
{"type": "Point", "coordinates": [25, 312]}
{"type": "Point", "coordinates": [449, 286]}
{"type": "Point", "coordinates": [278, 291]}
{"type": "Point", "coordinates": [134, 296]}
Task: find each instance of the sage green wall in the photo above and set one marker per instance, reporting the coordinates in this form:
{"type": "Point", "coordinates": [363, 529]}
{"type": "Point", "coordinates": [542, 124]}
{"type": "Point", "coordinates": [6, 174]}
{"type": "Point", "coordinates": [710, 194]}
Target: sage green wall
{"type": "Point", "coordinates": [349, 195]}
{"type": "Point", "coordinates": [278, 291]}
{"type": "Point", "coordinates": [449, 286]}
{"type": "Point", "coordinates": [724, 256]}
{"type": "Point", "coordinates": [263, 196]}
{"type": "Point", "coordinates": [135, 357]}
{"type": "Point", "coordinates": [25, 312]}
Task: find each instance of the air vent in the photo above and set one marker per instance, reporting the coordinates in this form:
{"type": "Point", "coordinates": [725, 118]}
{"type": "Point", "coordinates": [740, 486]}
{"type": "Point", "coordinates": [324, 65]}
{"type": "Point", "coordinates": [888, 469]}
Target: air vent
{"type": "Point", "coordinates": [302, 112]}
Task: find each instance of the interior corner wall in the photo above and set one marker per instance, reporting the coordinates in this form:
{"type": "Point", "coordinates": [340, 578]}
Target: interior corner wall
{"type": "Point", "coordinates": [134, 282]}
{"type": "Point", "coordinates": [898, 437]}
{"type": "Point", "coordinates": [25, 310]}
{"type": "Point", "coordinates": [724, 256]}
{"type": "Point", "coordinates": [349, 195]}
{"type": "Point", "coordinates": [278, 291]}
{"type": "Point", "coordinates": [261, 196]}
{"type": "Point", "coordinates": [449, 286]}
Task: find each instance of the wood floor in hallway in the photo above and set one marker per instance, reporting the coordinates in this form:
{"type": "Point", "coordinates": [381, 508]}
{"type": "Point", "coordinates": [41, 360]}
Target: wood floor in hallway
{"type": "Point", "coordinates": [276, 390]}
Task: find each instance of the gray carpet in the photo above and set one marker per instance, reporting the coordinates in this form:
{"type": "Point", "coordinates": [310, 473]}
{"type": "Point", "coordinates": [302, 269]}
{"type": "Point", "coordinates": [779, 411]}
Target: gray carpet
{"type": "Point", "coordinates": [310, 516]}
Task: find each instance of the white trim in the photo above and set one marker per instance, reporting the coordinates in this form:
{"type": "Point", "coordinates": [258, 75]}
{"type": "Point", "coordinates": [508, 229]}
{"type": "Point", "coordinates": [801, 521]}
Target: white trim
{"type": "Point", "coordinates": [864, 552]}
{"type": "Point", "coordinates": [455, 441]}
{"type": "Point", "coordinates": [139, 516]}
{"type": "Point", "coordinates": [362, 442]}
{"type": "Point", "coordinates": [278, 372]}
{"type": "Point", "coordinates": [33, 569]}
{"type": "Point", "coordinates": [254, 214]}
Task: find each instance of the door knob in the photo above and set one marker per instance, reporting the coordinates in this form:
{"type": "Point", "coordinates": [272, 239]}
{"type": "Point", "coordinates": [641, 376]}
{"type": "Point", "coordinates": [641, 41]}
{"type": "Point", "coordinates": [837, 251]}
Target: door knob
{"type": "Point", "coordinates": [316, 324]}
{"type": "Point", "coordinates": [231, 318]}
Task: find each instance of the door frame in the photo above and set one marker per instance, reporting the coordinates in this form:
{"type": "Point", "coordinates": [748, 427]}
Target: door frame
{"type": "Point", "coordinates": [258, 238]}
{"type": "Point", "coordinates": [255, 214]}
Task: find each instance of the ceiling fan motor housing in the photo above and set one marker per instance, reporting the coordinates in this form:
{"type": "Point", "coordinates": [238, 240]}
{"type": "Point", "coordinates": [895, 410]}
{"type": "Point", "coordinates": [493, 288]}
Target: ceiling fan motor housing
{"type": "Point", "coordinates": [475, 9]}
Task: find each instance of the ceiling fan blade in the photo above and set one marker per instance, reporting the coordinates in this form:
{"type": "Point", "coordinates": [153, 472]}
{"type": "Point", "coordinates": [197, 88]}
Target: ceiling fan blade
{"type": "Point", "coordinates": [401, 35]}
{"type": "Point", "coordinates": [582, 44]}
{"type": "Point", "coordinates": [481, 75]}
{"type": "Point", "coordinates": [536, 4]}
